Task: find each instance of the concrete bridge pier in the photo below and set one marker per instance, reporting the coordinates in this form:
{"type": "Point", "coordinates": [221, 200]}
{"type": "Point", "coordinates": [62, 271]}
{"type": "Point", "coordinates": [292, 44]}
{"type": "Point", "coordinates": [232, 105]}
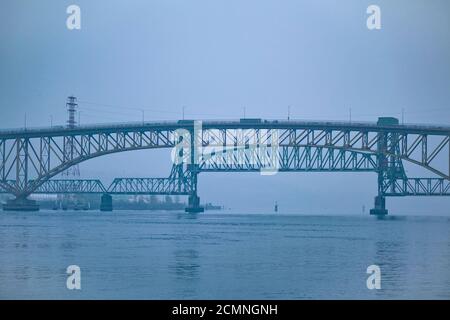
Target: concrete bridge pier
{"type": "Point", "coordinates": [194, 204]}
{"type": "Point", "coordinates": [380, 207]}
{"type": "Point", "coordinates": [21, 203]}
{"type": "Point", "coordinates": [194, 199]}
{"type": "Point", "coordinates": [106, 203]}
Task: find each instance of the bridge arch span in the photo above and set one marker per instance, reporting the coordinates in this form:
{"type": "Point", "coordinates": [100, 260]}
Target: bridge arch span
{"type": "Point", "coordinates": [36, 183]}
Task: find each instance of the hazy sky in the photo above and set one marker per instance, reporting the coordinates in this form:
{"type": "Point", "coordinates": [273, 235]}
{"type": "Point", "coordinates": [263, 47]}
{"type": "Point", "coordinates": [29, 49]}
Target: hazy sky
{"type": "Point", "coordinates": [217, 57]}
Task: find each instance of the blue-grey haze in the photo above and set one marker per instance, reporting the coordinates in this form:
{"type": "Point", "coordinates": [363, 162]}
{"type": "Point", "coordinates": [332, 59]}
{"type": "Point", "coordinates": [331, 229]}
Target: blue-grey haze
{"type": "Point", "coordinates": [217, 58]}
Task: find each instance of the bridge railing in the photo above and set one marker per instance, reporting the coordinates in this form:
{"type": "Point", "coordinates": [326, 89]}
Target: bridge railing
{"type": "Point", "coordinates": [213, 122]}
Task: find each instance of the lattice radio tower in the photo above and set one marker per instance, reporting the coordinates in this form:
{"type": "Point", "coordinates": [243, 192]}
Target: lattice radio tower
{"type": "Point", "coordinates": [71, 105]}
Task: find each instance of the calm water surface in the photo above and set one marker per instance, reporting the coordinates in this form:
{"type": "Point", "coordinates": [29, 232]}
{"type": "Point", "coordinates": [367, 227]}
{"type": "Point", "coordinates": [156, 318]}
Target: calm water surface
{"type": "Point", "coordinates": [162, 255]}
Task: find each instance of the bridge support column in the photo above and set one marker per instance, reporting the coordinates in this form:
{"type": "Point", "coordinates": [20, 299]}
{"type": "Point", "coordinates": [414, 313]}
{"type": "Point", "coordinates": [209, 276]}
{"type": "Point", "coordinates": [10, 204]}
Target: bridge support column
{"type": "Point", "coordinates": [383, 167]}
{"type": "Point", "coordinates": [106, 203]}
{"type": "Point", "coordinates": [194, 204]}
{"type": "Point", "coordinates": [194, 199]}
{"type": "Point", "coordinates": [193, 170]}
{"type": "Point", "coordinates": [380, 207]}
{"type": "Point", "coordinates": [21, 204]}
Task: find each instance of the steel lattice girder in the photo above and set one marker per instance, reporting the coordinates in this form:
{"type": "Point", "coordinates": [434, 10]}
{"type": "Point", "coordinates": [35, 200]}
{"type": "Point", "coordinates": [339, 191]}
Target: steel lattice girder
{"type": "Point", "coordinates": [120, 186]}
{"type": "Point", "coordinates": [289, 159]}
{"type": "Point", "coordinates": [416, 187]}
{"type": "Point", "coordinates": [167, 186]}
{"type": "Point", "coordinates": [66, 186]}
{"type": "Point", "coordinates": [71, 186]}
{"type": "Point", "coordinates": [149, 186]}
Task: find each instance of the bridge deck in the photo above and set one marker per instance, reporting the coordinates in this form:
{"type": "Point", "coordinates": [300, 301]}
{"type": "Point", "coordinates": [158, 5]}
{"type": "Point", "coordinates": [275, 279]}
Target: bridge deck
{"type": "Point", "coordinates": [225, 124]}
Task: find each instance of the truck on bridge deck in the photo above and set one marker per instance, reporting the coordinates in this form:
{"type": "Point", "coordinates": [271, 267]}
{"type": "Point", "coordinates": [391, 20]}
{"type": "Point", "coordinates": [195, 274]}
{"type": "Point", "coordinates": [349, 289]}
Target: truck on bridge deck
{"type": "Point", "coordinates": [250, 120]}
{"type": "Point", "coordinates": [387, 121]}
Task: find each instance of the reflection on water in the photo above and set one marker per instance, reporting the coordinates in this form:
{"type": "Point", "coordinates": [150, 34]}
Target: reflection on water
{"type": "Point", "coordinates": [186, 265]}
{"type": "Point", "coordinates": [160, 255]}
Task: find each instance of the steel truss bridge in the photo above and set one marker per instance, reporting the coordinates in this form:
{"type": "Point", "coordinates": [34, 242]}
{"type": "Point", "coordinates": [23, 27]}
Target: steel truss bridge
{"type": "Point", "coordinates": [31, 158]}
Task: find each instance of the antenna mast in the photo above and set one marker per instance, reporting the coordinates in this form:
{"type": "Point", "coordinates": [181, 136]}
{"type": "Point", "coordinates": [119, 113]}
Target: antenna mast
{"type": "Point", "coordinates": [71, 105]}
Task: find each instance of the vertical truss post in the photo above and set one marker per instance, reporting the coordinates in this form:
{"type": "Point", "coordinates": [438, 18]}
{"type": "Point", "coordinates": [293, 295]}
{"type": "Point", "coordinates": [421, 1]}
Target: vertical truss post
{"type": "Point", "coordinates": [21, 203]}
{"type": "Point", "coordinates": [193, 170]}
{"type": "Point", "coordinates": [390, 170]}
{"type": "Point", "coordinates": [382, 166]}
{"type": "Point", "coordinates": [21, 165]}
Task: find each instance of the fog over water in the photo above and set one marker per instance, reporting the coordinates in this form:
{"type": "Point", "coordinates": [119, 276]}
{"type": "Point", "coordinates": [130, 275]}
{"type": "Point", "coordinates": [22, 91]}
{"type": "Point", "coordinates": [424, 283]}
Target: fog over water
{"type": "Point", "coordinates": [217, 58]}
{"type": "Point", "coordinates": [150, 60]}
{"type": "Point", "coordinates": [157, 255]}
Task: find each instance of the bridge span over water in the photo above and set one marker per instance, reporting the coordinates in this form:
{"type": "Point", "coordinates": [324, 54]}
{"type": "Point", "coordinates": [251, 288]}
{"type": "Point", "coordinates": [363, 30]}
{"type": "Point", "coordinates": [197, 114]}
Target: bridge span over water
{"type": "Point", "coordinates": [31, 158]}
